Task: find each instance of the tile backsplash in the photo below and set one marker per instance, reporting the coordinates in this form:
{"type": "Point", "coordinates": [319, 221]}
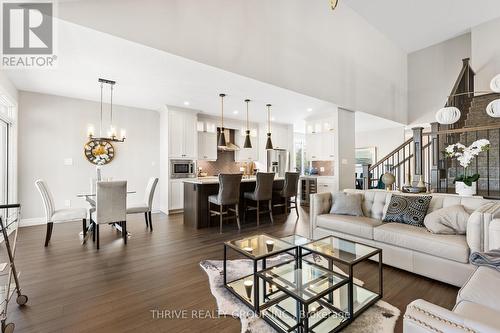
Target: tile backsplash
{"type": "Point", "coordinates": [225, 164]}
{"type": "Point", "coordinates": [327, 165]}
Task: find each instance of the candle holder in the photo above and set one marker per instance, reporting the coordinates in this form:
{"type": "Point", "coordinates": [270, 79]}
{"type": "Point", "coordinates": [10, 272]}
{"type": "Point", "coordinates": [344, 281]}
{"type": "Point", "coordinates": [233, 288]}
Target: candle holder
{"type": "Point", "coordinates": [248, 288]}
{"type": "Point", "coordinates": [269, 245]}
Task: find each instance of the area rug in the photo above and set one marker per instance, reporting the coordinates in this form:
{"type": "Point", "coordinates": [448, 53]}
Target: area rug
{"type": "Point", "coordinates": [379, 318]}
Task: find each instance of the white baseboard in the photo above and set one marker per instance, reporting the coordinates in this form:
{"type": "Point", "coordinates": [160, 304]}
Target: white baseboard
{"type": "Point", "coordinates": [32, 221]}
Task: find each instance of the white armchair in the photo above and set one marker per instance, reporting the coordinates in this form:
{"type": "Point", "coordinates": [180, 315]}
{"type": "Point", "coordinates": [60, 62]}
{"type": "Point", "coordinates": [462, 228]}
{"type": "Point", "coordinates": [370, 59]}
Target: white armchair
{"type": "Point", "coordinates": [53, 215]}
{"type": "Point", "coordinates": [147, 205]}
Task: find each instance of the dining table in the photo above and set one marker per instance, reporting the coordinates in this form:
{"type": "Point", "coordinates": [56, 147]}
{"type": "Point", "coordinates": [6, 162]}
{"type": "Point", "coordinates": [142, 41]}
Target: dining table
{"type": "Point", "coordinates": [87, 229]}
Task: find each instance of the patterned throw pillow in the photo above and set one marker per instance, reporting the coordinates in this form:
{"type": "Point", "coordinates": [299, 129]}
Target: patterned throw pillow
{"type": "Point", "coordinates": [408, 209]}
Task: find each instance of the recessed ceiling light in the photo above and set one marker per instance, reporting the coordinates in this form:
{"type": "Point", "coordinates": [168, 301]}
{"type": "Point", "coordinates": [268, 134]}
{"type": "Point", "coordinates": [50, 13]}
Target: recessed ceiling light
{"type": "Point", "coordinates": [309, 109]}
{"type": "Point", "coordinates": [273, 119]}
{"type": "Point", "coordinates": [235, 112]}
{"type": "Point", "coordinates": [186, 103]}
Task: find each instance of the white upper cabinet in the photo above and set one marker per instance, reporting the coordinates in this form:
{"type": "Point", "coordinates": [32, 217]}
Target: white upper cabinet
{"type": "Point", "coordinates": [182, 134]}
{"type": "Point", "coordinates": [207, 146]}
{"type": "Point", "coordinates": [320, 140]}
{"type": "Point", "coordinates": [246, 154]}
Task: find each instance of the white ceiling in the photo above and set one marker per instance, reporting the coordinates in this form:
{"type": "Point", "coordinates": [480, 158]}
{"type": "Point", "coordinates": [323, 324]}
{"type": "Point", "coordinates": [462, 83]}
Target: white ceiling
{"type": "Point", "coordinates": [149, 78]}
{"type": "Point", "coordinates": [366, 122]}
{"type": "Point", "coordinates": [414, 25]}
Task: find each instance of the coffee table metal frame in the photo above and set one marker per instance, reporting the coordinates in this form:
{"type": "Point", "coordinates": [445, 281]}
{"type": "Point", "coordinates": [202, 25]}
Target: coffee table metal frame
{"type": "Point", "coordinates": [351, 265]}
{"type": "Point", "coordinates": [255, 260]}
{"type": "Point", "coordinates": [302, 307]}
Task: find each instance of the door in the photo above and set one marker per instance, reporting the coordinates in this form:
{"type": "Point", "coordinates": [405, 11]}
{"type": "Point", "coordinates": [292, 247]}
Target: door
{"type": "Point", "coordinates": [207, 146]}
{"type": "Point", "coordinates": [176, 195]}
{"type": "Point", "coordinates": [190, 136]}
{"type": "Point", "coordinates": [175, 134]}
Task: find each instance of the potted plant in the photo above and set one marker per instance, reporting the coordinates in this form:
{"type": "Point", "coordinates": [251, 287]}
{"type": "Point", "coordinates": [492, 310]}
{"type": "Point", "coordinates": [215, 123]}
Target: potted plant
{"type": "Point", "coordinates": [466, 184]}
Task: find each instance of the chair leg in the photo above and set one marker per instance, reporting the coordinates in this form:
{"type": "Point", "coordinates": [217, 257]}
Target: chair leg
{"type": "Point", "coordinates": [50, 226]}
{"type": "Point", "coordinates": [286, 206]}
{"type": "Point", "coordinates": [258, 213]}
{"type": "Point", "coordinates": [220, 219]}
{"type": "Point", "coordinates": [271, 211]}
{"type": "Point", "coordinates": [150, 221]}
{"type": "Point", "coordinates": [209, 215]}
{"type": "Point", "coordinates": [97, 234]}
{"type": "Point", "coordinates": [124, 231]}
{"type": "Point", "coordinates": [296, 208]}
{"type": "Point", "coordinates": [238, 216]}
{"type": "Point", "coordinates": [146, 219]}
{"type": "Point", "coordinates": [94, 226]}
{"type": "Point", "coordinates": [84, 227]}
{"type": "Point", "coordinates": [245, 209]}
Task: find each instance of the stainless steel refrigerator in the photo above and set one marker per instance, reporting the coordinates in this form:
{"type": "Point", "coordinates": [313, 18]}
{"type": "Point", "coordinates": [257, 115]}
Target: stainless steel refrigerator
{"type": "Point", "coordinates": [278, 161]}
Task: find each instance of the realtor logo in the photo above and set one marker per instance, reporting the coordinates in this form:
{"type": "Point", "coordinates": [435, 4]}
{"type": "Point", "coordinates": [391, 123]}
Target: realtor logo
{"type": "Point", "coordinates": [27, 30]}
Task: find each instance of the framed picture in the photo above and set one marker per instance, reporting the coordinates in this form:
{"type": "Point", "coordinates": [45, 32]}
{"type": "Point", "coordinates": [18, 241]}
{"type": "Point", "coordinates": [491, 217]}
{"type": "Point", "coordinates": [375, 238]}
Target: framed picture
{"type": "Point", "coordinates": [366, 155]}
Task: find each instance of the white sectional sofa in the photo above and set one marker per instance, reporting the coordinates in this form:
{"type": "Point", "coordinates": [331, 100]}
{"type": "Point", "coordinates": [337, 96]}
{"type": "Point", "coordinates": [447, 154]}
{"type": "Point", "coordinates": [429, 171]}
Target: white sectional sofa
{"type": "Point", "coordinates": [477, 308]}
{"type": "Point", "coordinates": [440, 257]}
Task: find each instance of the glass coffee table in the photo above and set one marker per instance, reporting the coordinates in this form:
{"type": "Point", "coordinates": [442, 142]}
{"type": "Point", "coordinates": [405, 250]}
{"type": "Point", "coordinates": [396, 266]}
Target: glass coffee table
{"type": "Point", "coordinates": [301, 298]}
{"type": "Point", "coordinates": [256, 248]}
{"type": "Point", "coordinates": [349, 253]}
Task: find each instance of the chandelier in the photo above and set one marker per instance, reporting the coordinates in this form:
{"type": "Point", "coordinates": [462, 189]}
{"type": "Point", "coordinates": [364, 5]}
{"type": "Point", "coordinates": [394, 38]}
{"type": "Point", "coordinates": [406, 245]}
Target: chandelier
{"type": "Point", "coordinates": [111, 134]}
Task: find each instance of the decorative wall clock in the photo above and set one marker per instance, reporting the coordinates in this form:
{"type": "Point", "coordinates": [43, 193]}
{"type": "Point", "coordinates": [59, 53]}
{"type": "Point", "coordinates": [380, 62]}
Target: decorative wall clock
{"type": "Point", "coordinates": [99, 152]}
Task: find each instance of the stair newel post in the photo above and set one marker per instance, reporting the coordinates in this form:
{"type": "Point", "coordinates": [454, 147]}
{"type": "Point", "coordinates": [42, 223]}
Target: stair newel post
{"type": "Point", "coordinates": [418, 151]}
{"type": "Point", "coordinates": [366, 176]}
{"type": "Point", "coordinates": [435, 173]}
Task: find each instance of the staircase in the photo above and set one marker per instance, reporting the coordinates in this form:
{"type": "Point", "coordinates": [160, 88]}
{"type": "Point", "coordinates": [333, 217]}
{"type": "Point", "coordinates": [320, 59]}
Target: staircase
{"type": "Point", "coordinates": [422, 156]}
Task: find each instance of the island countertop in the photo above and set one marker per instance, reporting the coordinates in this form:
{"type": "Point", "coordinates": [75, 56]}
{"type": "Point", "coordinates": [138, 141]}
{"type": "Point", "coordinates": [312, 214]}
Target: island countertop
{"type": "Point", "coordinates": [215, 180]}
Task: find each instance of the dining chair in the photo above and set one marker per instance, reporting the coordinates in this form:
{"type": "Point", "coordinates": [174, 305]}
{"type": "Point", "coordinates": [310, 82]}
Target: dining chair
{"type": "Point", "coordinates": [110, 208]}
{"type": "Point", "coordinates": [228, 195]}
{"type": "Point", "coordinates": [289, 191]}
{"type": "Point", "coordinates": [53, 215]}
{"type": "Point", "coordinates": [147, 205]}
{"type": "Point", "coordinates": [263, 192]}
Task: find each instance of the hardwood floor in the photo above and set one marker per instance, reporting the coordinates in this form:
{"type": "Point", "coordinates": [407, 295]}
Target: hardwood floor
{"type": "Point", "coordinates": [74, 288]}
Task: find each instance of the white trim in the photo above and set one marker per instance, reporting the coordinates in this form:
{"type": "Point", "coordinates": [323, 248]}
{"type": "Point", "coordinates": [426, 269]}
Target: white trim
{"type": "Point", "coordinates": [32, 221]}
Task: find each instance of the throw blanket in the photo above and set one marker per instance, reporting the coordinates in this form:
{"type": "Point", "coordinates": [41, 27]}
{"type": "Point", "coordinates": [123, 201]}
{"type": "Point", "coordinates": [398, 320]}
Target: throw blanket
{"type": "Point", "coordinates": [490, 259]}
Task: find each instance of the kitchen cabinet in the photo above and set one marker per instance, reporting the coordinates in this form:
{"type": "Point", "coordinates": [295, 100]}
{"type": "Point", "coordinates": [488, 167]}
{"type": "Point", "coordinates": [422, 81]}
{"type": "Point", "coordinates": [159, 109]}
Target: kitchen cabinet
{"type": "Point", "coordinates": [176, 194]}
{"type": "Point", "coordinates": [320, 140]}
{"type": "Point", "coordinates": [182, 135]}
{"type": "Point", "coordinates": [326, 184]}
{"type": "Point", "coordinates": [280, 137]}
{"type": "Point", "coordinates": [246, 154]}
{"type": "Point", "coordinates": [207, 146]}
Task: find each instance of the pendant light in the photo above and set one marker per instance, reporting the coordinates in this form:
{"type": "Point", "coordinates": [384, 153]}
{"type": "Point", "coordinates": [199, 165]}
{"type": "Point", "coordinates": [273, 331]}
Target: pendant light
{"type": "Point", "coordinates": [269, 143]}
{"type": "Point", "coordinates": [248, 143]}
{"type": "Point", "coordinates": [222, 138]}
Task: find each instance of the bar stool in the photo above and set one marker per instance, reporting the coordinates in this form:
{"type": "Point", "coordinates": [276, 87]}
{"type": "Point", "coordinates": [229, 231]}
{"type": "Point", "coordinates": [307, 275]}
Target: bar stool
{"type": "Point", "coordinates": [263, 192]}
{"type": "Point", "coordinates": [289, 191]}
{"type": "Point", "coordinates": [229, 194]}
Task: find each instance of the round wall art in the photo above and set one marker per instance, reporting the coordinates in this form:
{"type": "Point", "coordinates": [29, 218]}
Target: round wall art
{"type": "Point", "coordinates": [99, 152]}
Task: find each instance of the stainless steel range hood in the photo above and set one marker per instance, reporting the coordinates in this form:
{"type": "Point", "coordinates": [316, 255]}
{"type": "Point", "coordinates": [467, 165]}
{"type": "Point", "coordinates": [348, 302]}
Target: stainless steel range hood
{"type": "Point", "coordinates": [230, 146]}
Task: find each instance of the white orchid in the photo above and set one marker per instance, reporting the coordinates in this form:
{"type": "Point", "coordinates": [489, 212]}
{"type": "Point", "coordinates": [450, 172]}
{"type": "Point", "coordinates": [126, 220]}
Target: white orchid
{"type": "Point", "coordinates": [465, 155]}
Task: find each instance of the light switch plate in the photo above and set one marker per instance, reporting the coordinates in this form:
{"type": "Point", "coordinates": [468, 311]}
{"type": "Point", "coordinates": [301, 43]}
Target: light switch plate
{"type": "Point", "coordinates": [68, 161]}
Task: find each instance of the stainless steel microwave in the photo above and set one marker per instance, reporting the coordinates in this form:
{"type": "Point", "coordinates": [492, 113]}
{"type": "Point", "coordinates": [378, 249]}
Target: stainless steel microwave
{"type": "Point", "coordinates": [182, 169]}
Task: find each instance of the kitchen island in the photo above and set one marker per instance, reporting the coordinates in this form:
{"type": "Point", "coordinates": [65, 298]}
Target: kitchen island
{"type": "Point", "coordinates": [197, 190]}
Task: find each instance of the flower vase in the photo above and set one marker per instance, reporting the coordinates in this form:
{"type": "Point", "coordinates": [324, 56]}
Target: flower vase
{"type": "Point", "coordinates": [465, 190]}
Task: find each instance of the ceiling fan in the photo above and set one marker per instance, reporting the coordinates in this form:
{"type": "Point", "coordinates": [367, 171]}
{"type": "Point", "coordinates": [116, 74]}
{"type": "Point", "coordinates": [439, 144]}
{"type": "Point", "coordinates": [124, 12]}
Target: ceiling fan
{"type": "Point", "coordinates": [333, 4]}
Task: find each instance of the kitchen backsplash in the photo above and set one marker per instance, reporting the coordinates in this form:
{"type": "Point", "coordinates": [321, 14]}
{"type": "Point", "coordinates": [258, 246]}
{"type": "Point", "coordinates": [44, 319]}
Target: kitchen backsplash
{"type": "Point", "coordinates": [225, 164]}
{"type": "Point", "coordinates": [327, 165]}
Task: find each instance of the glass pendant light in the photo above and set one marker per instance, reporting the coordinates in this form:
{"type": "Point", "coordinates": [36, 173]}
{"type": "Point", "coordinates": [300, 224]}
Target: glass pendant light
{"type": "Point", "coordinates": [222, 137]}
{"type": "Point", "coordinates": [248, 143]}
{"type": "Point", "coordinates": [269, 143]}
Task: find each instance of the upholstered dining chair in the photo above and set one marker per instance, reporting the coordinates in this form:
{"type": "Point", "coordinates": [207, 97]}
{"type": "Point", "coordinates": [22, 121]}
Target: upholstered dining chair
{"type": "Point", "coordinates": [110, 207]}
{"type": "Point", "coordinates": [289, 191]}
{"type": "Point", "coordinates": [263, 192]}
{"type": "Point", "coordinates": [145, 206]}
{"type": "Point", "coordinates": [53, 215]}
{"type": "Point", "coordinates": [228, 195]}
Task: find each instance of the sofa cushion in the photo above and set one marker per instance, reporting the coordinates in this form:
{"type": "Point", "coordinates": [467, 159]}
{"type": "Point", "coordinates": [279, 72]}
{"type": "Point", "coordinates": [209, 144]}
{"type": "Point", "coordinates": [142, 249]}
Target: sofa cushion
{"type": "Point", "coordinates": [408, 209]}
{"type": "Point", "coordinates": [487, 318]}
{"type": "Point", "coordinates": [452, 247]}
{"type": "Point", "coordinates": [449, 220]}
{"type": "Point", "coordinates": [360, 226]}
{"type": "Point", "coordinates": [482, 288]}
{"type": "Point", "coordinates": [347, 204]}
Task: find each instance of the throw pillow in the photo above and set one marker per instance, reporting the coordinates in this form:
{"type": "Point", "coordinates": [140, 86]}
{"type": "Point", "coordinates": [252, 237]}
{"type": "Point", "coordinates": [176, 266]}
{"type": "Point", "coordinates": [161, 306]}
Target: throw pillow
{"type": "Point", "coordinates": [347, 204]}
{"type": "Point", "coordinates": [451, 220]}
{"type": "Point", "coordinates": [408, 209]}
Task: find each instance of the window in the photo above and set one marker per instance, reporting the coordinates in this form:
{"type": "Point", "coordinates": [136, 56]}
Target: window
{"type": "Point", "coordinates": [4, 162]}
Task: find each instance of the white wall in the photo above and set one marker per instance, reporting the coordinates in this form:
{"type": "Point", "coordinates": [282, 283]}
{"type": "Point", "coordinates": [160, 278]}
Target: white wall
{"type": "Point", "coordinates": [52, 128]}
{"type": "Point", "coordinates": [386, 140]}
{"type": "Point", "coordinates": [486, 53]}
{"type": "Point", "coordinates": [346, 155]}
{"type": "Point", "coordinates": [432, 72]}
{"type": "Point", "coordinates": [304, 46]}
